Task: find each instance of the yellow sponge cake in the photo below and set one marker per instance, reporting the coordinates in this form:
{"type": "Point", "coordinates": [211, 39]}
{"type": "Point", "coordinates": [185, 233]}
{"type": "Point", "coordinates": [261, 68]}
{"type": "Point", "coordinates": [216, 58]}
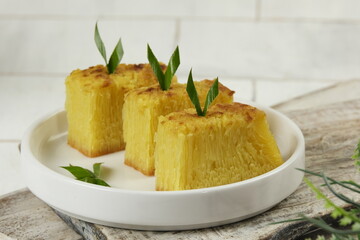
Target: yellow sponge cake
{"type": "Point", "coordinates": [94, 101]}
{"type": "Point", "coordinates": [141, 111]}
{"type": "Point", "coordinates": [231, 143]}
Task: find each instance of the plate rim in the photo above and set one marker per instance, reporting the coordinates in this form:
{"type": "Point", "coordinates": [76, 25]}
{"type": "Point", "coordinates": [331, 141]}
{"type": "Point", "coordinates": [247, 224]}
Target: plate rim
{"type": "Point", "coordinates": [179, 210]}
{"type": "Point", "coordinates": [25, 143]}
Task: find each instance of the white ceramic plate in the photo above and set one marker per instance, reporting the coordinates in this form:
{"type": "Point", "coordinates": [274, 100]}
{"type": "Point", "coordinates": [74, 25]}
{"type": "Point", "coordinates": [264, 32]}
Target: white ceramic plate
{"type": "Point", "coordinates": [132, 201]}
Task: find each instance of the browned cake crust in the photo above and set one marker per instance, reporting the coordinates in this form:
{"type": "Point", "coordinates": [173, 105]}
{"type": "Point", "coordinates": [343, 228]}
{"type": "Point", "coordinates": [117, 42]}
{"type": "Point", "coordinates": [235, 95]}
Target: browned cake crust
{"type": "Point", "coordinates": [156, 90]}
{"type": "Point", "coordinates": [222, 88]}
{"type": "Point", "coordinates": [236, 109]}
{"type": "Point", "coordinates": [146, 173]}
{"type": "Point", "coordinates": [98, 76]}
{"type": "Point", "coordinates": [94, 154]}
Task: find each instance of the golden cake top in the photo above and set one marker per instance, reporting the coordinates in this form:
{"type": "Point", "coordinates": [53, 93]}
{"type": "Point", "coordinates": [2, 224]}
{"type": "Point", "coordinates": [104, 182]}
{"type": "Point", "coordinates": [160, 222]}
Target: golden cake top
{"type": "Point", "coordinates": [129, 75]}
{"type": "Point", "coordinates": [155, 90]}
{"type": "Point", "coordinates": [206, 84]}
{"type": "Point", "coordinates": [188, 121]}
{"type": "Point", "coordinates": [179, 89]}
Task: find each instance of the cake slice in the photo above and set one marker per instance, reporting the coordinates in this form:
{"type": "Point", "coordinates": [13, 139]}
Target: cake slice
{"type": "Point", "coordinates": [141, 111]}
{"type": "Point", "coordinates": [94, 101]}
{"type": "Point", "coordinates": [231, 143]}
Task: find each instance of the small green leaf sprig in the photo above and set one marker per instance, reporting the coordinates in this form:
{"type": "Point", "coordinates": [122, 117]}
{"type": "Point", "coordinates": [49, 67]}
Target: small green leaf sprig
{"type": "Point", "coordinates": [85, 175]}
{"type": "Point", "coordinates": [356, 155]}
{"type": "Point", "coordinates": [212, 94]}
{"type": "Point", "coordinates": [174, 62]}
{"type": "Point", "coordinates": [344, 217]}
{"type": "Point", "coordinates": [116, 55]}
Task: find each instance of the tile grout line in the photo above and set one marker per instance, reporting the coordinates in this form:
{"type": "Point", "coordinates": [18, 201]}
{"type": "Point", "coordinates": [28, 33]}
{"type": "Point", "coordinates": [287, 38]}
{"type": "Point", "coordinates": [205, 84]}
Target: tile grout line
{"type": "Point", "coordinates": [254, 86]}
{"type": "Point", "coordinates": [307, 20]}
{"type": "Point", "coordinates": [32, 74]}
{"type": "Point", "coordinates": [257, 10]}
{"type": "Point", "coordinates": [257, 18]}
{"type": "Point", "coordinates": [270, 79]}
{"type": "Point", "coordinates": [10, 141]}
{"type": "Point", "coordinates": [58, 17]}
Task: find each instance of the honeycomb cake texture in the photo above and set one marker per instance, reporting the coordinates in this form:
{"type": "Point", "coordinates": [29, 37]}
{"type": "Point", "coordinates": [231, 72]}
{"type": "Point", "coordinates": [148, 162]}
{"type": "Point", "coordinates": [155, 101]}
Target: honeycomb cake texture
{"type": "Point", "coordinates": [231, 143]}
{"type": "Point", "coordinates": [141, 111]}
{"type": "Point", "coordinates": [94, 101]}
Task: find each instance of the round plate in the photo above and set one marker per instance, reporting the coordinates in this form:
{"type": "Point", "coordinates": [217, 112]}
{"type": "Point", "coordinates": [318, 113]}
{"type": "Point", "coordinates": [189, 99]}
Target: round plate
{"type": "Point", "coordinates": [132, 201]}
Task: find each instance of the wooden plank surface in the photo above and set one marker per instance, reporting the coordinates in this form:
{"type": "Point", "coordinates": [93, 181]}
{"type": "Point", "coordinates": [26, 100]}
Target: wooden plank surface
{"type": "Point", "coordinates": [340, 92]}
{"type": "Point", "coordinates": [23, 216]}
{"type": "Point", "coordinates": [331, 133]}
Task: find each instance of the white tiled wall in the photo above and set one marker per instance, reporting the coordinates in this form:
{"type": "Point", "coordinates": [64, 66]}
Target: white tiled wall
{"type": "Point", "coordinates": [273, 92]}
{"type": "Point", "coordinates": [122, 8]}
{"type": "Point", "coordinates": [26, 99]}
{"type": "Point", "coordinates": [282, 50]}
{"type": "Point", "coordinates": [266, 50]}
{"type": "Point", "coordinates": [337, 10]}
{"type": "Point", "coordinates": [59, 46]}
{"type": "Point", "coordinates": [11, 177]}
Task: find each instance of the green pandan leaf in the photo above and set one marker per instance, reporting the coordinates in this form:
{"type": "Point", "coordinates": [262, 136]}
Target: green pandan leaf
{"type": "Point", "coordinates": [155, 65]}
{"type": "Point", "coordinates": [212, 94]}
{"type": "Point", "coordinates": [99, 43]}
{"type": "Point", "coordinates": [194, 97]}
{"type": "Point", "coordinates": [172, 66]}
{"type": "Point", "coordinates": [164, 79]}
{"type": "Point", "coordinates": [116, 57]}
{"type": "Point", "coordinates": [191, 90]}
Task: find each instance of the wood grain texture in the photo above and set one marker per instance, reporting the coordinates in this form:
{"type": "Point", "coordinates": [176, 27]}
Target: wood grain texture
{"type": "Point", "coordinates": [331, 133]}
{"type": "Point", "coordinates": [23, 216]}
{"type": "Point", "coordinates": [340, 92]}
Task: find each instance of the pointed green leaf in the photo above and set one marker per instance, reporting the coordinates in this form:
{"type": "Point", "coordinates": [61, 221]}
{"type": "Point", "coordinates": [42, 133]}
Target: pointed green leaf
{"type": "Point", "coordinates": [356, 226]}
{"type": "Point", "coordinates": [172, 66]}
{"type": "Point", "coordinates": [85, 175]}
{"type": "Point", "coordinates": [79, 172]}
{"type": "Point", "coordinates": [154, 63]}
{"type": "Point", "coordinates": [339, 195]}
{"type": "Point", "coordinates": [327, 205]}
{"type": "Point", "coordinates": [336, 213]}
{"type": "Point", "coordinates": [96, 181]}
{"type": "Point", "coordinates": [212, 94]}
{"type": "Point", "coordinates": [116, 57]}
{"type": "Point", "coordinates": [88, 180]}
{"type": "Point", "coordinates": [321, 224]}
{"type": "Point", "coordinates": [191, 90]}
{"type": "Point", "coordinates": [345, 221]}
{"type": "Point", "coordinates": [332, 181]}
{"type": "Point", "coordinates": [288, 220]}
{"type": "Point", "coordinates": [101, 182]}
{"type": "Point", "coordinates": [357, 152]}
{"type": "Point", "coordinates": [99, 43]}
{"type": "Point", "coordinates": [96, 168]}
